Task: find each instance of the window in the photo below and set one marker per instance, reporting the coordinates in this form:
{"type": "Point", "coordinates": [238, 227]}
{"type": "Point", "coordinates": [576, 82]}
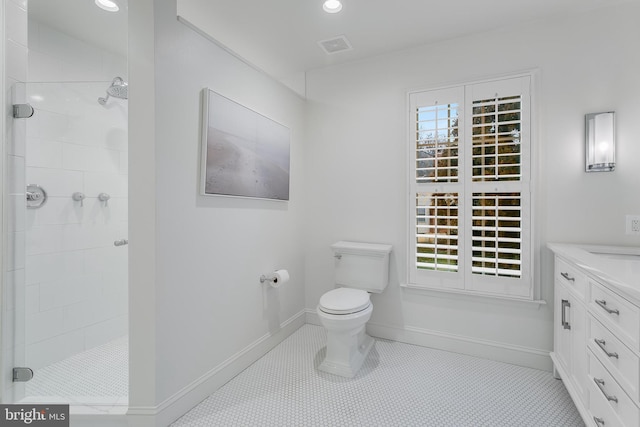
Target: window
{"type": "Point", "coordinates": [470, 201]}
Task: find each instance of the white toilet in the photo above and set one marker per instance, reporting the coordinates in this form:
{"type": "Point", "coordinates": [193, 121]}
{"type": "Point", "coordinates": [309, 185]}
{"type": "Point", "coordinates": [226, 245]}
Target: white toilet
{"type": "Point", "coordinates": [360, 268]}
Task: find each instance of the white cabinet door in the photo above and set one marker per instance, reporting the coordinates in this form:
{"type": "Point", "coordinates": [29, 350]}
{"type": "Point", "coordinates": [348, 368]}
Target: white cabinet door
{"type": "Point", "coordinates": [562, 336]}
{"type": "Point", "coordinates": [579, 367]}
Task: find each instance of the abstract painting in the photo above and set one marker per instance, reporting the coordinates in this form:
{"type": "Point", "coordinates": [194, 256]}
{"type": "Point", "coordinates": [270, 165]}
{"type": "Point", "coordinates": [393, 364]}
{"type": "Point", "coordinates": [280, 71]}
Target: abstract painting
{"type": "Point", "coordinates": [244, 153]}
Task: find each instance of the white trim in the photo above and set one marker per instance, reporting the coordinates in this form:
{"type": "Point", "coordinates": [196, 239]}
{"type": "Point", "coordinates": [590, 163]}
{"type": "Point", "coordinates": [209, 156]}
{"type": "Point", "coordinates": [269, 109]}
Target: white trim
{"type": "Point", "coordinates": [464, 292]}
{"type": "Point", "coordinates": [311, 317]}
{"type": "Point", "coordinates": [485, 79]}
{"type": "Point", "coordinates": [189, 396]}
{"type": "Point", "coordinates": [486, 349]}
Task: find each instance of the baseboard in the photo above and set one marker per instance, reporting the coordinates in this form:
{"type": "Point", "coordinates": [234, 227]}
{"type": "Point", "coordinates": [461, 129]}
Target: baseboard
{"type": "Point", "coordinates": [189, 396]}
{"type": "Point", "coordinates": [311, 317]}
{"type": "Point", "coordinates": [486, 349]}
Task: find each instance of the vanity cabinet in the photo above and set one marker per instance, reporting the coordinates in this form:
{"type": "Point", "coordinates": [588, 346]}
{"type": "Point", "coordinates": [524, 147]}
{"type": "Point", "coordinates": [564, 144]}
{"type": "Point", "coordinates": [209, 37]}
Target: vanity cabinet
{"type": "Point", "coordinates": [570, 358]}
{"type": "Point", "coordinates": [597, 332]}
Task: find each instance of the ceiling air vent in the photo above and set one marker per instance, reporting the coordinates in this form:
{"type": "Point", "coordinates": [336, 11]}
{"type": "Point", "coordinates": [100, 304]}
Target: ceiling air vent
{"type": "Point", "coordinates": [335, 45]}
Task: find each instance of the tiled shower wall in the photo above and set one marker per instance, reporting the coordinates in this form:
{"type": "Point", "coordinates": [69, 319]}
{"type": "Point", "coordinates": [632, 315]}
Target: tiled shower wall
{"type": "Point", "coordinates": [76, 279]}
{"type": "Point", "coordinates": [15, 58]}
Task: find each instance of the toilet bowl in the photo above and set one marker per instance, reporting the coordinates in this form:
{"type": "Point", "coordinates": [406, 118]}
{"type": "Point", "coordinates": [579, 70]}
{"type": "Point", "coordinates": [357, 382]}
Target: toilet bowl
{"type": "Point", "coordinates": [344, 313]}
{"type": "Point", "coordinates": [360, 268]}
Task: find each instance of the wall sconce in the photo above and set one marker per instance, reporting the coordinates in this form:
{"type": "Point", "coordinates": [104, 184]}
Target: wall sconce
{"type": "Point", "coordinates": [600, 141]}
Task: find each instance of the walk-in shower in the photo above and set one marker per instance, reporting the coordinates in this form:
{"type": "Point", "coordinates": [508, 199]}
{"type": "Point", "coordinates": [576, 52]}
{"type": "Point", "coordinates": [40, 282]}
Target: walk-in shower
{"type": "Point", "coordinates": [118, 89]}
{"type": "Point", "coordinates": [71, 283]}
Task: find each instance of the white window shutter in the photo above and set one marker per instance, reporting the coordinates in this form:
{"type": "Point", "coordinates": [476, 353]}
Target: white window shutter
{"type": "Point", "coordinates": [470, 220]}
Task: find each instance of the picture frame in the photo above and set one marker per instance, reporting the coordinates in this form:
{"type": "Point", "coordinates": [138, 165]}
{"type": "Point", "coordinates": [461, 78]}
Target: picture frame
{"type": "Point", "coordinates": [244, 153]}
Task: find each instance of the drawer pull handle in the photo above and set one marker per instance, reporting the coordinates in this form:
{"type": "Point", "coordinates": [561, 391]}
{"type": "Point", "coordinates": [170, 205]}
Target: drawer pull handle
{"type": "Point", "coordinates": [600, 384]}
{"type": "Point", "coordinates": [601, 344]}
{"type": "Point", "coordinates": [598, 420]}
{"type": "Point", "coordinates": [602, 303]}
{"type": "Point", "coordinates": [569, 278]}
{"type": "Point", "coordinates": [563, 320]}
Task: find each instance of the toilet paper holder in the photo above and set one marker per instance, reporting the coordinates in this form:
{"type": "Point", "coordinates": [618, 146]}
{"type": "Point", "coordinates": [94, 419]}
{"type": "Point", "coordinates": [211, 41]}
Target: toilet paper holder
{"type": "Point", "coordinates": [276, 278]}
{"type": "Point", "coordinates": [268, 278]}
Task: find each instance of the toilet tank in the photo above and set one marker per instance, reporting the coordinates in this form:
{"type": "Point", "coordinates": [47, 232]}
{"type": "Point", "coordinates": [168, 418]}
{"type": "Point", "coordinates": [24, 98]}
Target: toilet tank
{"type": "Point", "coordinates": [362, 265]}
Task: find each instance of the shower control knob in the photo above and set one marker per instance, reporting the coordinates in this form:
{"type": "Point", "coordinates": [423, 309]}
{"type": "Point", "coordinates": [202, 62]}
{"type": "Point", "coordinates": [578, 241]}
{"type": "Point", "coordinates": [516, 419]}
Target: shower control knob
{"type": "Point", "coordinates": [36, 196]}
{"type": "Point", "coordinates": [78, 197]}
{"type": "Point", "coordinates": [104, 197]}
{"type": "Point", "coordinates": [32, 197]}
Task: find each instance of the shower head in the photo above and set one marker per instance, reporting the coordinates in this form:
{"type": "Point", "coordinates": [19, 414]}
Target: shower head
{"type": "Point", "coordinates": [118, 89]}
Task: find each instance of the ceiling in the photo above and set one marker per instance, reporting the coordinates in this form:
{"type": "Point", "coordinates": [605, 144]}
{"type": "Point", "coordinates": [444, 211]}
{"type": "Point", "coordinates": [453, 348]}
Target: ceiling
{"type": "Point", "coordinates": [281, 36]}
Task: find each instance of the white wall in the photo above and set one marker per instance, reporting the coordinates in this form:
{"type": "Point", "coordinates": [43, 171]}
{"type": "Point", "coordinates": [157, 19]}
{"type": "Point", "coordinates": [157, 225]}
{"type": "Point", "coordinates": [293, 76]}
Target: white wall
{"type": "Point", "coordinates": [55, 56]}
{"type": "Point", "coordinates": [206, 253]}
{"type": "Point", "coordinates": [356, 167]}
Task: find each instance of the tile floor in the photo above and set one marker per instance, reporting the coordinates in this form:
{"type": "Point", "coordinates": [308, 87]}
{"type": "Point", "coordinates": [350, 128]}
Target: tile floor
{"type": "Point", "coordinates": [399, 385]}
{"type": "Point", "coordinates": [100, 374]}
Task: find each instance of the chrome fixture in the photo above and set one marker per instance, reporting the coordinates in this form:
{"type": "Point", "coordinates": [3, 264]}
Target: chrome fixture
{"type": "Point", "coordinates": [600, 383]}
{"type": "Point", "coordinates": [600, 142]}
{"type": "Point", "coordinates": [22, 111]}
{"type": "Point", "coordinates": [118, 89]}
{"type": "Point", "coordinates": [21, 375]}
{"type": "Point", "coordinates": [79, 197]}
{"type": "Point", "coordinates": [104, 197]}
{"type": "Point", "coordinates": [36, 196]}
{"type": "Point", "coordinates": [565, 324]}
{"type": "Point", "coordinates": [121, 242]}
{"type": "Point", "coordinates": [270, 278]}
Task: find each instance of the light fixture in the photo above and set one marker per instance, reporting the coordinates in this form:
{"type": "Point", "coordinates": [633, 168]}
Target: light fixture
{"type": "Point", "coordinates": [108, 5]}
{"type": "Point", "coordinates": [600, 141]}
{"type": "Point", "coordinates": [332, 6]}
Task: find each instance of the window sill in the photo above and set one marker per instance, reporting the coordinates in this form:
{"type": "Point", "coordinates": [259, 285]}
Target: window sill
{"type": "Point", "coordinates": [473, 295]}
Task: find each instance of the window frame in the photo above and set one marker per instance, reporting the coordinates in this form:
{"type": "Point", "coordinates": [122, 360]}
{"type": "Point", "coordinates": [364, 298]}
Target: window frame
{"type": "Point", "coordinates": [526, 287]}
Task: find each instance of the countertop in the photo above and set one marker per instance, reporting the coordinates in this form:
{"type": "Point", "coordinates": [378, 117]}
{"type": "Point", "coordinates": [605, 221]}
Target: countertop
{"type": "Point", "coordinates": [616, 266]}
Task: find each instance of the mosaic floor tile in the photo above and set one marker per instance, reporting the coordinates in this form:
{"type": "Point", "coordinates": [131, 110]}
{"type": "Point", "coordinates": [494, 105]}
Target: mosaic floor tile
{"type": "Point", "coordinates": [398, 385]}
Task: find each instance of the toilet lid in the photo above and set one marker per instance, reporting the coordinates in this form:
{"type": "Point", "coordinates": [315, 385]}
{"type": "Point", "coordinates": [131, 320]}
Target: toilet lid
{"type": "Point", "coordinates": [344, 301]}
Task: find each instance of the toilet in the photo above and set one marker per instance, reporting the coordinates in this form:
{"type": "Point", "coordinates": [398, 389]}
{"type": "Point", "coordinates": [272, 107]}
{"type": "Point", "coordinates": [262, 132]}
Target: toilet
{"type": "Point", "coordinates": [360, 268]}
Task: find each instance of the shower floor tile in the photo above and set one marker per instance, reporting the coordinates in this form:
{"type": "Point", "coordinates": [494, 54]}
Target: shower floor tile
{"type": "Point", "coordinates": [97, 376]}
{"type": "Point", "coordinates": [398, 385]}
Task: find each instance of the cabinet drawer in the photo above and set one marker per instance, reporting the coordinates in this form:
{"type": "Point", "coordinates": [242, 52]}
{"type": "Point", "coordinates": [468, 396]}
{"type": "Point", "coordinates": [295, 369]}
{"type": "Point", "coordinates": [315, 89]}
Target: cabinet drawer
{"type": "Point", "coordinates": [601, 413]}
{"type": "Point", "coordinates": [604, 389]}
{"type": "Point", "coordinates": [618, 314]}
{"type": "Point", "coordinates": [622, 363]}
{"type": "Point", "coordinates": [570, 276]}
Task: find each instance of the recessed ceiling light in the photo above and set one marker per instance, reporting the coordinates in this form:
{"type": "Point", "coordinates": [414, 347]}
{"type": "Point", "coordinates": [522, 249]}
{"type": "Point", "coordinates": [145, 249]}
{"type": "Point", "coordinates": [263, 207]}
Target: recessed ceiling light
{"type": "Point", "coordinates": [331, 6]}
{"type": "Point", "coordinates": [108, 5]}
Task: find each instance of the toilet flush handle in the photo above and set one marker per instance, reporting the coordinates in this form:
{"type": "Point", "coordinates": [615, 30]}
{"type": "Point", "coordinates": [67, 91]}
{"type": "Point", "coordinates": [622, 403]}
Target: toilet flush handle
{"type": "Point", "coordinates": [337, 256]}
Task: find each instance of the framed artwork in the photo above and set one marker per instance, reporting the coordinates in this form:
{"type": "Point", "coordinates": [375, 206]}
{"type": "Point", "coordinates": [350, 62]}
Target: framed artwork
{"type": "Point", "coordinates": [244, 153]}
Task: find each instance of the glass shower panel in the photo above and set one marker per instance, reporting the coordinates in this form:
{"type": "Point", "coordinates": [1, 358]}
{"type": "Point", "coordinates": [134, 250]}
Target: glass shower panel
{"type": "Point", "coordinates": [75, 281]}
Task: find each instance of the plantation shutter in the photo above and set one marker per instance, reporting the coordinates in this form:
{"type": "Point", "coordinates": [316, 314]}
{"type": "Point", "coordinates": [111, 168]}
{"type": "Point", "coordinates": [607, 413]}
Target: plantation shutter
{"type": "Point", "coordinates": [435, 187]}
{"type": "Point", "coordinates": [498, 145]}
{"type": "Point", "coordinates": [470, 188]}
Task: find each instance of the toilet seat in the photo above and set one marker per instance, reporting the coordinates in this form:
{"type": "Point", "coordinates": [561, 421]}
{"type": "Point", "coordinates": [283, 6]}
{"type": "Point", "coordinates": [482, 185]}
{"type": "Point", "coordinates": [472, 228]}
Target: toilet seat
{"type": "Point", "coordinates": [344, 301]}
